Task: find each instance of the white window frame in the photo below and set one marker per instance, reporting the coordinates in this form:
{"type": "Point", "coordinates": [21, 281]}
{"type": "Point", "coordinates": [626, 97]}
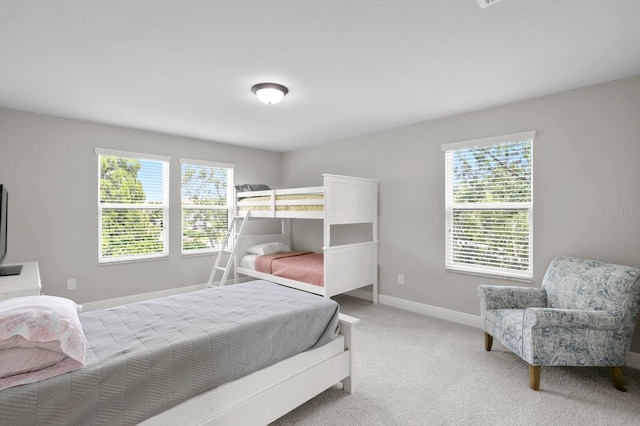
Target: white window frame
{"type": "Point", "coordinates": [451, 206]}
{"type": "Point", "coordinates": [228, 207]}
{"type": "Point", "coordinates": [142, 206]}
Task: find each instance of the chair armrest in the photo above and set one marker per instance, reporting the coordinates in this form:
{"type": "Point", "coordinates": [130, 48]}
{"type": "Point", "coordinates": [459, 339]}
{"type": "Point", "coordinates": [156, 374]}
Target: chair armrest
{"type": "Point", "coordinates": [511, 297]}
{"type": "Point", "coordinates": [570, 318]}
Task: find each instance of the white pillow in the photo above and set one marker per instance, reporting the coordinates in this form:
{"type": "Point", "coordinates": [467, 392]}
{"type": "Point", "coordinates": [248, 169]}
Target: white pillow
{"type": "Point", "coordinates": [35, 324]}
{"type": "Point", "coordinates": [268, 248]}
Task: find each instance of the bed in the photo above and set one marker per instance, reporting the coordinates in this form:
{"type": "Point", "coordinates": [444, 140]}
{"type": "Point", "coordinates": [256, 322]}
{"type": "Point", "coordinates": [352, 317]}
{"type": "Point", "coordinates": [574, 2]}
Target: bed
{"type": "Point", "coordinates": [341, 200]}
{"type": "Point", "coordinates": [242, 354]}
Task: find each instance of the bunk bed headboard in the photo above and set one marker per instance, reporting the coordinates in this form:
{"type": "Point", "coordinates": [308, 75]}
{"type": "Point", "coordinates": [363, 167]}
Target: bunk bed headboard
{"type": "Point", "coordinates": [350, 200]}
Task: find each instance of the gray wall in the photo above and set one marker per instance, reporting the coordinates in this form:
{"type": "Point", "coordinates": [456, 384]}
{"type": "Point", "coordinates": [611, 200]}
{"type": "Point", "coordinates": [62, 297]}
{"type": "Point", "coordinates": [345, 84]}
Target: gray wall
{"type": "Point", "coordinates": [586, 174]}
{"type": "Point", "coordinates": [51, 171]}
{"type": "Point", "coordinates": [585, 165]}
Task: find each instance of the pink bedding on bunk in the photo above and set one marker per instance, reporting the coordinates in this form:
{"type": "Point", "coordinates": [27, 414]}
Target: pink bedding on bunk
{"type": "Point", "coordinates": [304, 266]}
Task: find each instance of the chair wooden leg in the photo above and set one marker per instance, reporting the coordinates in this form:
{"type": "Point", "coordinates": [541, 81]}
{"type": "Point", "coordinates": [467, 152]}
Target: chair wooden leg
{"type": "Point", "coordinates": [534, 377]}
{"type": "Point", "coordinates": [618, 378]}
{"type": "Point", "coordinates": [488, 341]}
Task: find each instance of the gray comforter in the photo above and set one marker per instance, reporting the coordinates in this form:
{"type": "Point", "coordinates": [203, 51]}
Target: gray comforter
{"type": "Point", "coordinates": [146, 357]}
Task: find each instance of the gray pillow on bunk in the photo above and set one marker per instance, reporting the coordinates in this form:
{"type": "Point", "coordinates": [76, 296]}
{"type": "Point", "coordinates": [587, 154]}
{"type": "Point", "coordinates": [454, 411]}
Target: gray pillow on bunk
{"type": "Point", "coordinates": [252, 187]}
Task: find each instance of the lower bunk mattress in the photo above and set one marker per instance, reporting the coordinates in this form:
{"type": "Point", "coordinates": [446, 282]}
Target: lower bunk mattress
{"type": "Point", "coordinates": [304, 266]}
{"type": "Point", "coordinates": [146, 357]}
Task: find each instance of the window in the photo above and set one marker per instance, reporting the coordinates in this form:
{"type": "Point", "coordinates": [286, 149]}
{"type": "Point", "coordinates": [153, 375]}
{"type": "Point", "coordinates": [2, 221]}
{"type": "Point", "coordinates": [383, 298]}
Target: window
{"type": "Point", "coordinates": [133, 208]}
{"type": "Point", "coordinates": [207, 193]}
{"type": "Point", "coordinates": [489, 206]}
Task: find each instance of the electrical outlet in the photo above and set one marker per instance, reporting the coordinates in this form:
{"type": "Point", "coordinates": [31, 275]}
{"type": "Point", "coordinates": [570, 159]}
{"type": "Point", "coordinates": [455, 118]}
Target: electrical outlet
{"type": "Point", "coordinates": [400, 279]}
{"type": "Point", "coordinates": [71, 284]}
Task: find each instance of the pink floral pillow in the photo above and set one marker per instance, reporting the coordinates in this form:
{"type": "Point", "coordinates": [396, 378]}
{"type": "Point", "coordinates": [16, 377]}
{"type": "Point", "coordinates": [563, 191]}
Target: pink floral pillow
{"type": "Point", "coordinates": [46, 331]}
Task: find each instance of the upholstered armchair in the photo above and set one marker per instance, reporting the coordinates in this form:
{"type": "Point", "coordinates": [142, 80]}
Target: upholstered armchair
{"type": "Point", "coordinates": [583, 315]}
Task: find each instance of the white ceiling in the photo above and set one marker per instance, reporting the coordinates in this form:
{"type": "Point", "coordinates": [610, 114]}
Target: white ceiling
{"type": "Point", "coordinates": [186, 67]}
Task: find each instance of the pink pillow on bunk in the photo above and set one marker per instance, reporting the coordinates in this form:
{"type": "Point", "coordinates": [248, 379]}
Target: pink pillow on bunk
{"type": "Point", "coordinates": [269, 248]}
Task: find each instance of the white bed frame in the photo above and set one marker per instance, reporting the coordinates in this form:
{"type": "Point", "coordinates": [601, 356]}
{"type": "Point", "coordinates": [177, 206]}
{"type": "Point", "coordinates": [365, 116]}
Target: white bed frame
{"type": "Point", "coordinates": [266, 395]}
{"type": "Point", "coordinates": [346, 200]}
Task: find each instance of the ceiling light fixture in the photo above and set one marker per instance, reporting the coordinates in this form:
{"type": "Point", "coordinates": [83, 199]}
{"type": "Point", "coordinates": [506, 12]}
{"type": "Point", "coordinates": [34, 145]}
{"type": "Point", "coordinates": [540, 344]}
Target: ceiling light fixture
{"type": "Point", "coordinates": [270, 93]}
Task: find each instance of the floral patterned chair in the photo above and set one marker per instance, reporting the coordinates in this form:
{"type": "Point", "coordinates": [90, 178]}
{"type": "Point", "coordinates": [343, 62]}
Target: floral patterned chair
{"type": "Point", "coordinates": [583, 315]}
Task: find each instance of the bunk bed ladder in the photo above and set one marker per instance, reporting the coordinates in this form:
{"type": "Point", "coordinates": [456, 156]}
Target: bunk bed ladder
{"type": "Point", "coordinates": [233, 234]}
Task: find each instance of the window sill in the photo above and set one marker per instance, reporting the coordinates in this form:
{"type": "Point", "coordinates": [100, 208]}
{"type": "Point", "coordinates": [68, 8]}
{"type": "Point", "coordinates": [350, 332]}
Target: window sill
{"type": "Point", "coordinates": [136, 260]}
{"type": "Point", "coordinates": [200, 253]}
{"type": "Point", "coordinates": [487, 274]}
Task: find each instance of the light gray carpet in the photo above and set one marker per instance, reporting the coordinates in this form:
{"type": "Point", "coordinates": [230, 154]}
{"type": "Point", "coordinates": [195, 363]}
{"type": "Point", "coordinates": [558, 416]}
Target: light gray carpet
{"type": "Point", "coordinates": [417, 370]}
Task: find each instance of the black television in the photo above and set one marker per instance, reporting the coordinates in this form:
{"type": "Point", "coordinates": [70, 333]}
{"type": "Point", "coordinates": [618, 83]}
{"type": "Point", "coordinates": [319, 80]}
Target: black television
{"type": "Point", "coordinates": [4, 209]}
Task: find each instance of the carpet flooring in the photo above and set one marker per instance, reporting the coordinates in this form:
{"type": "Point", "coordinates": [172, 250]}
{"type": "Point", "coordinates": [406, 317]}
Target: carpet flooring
{"type": "Point", "coordinates": [413, 369]}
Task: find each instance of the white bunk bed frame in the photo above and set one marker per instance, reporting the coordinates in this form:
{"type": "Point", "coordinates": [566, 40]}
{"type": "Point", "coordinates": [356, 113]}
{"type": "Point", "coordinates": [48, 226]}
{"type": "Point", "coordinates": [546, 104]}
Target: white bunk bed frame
{"type": "Point", "coordinates": [346, 200]}
{"type": "Point", "coordinates": [266, 395]}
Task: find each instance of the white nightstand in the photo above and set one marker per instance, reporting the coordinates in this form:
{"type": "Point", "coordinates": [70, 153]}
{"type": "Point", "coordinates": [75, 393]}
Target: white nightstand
{"type": "Point", "coordinates": [25, 284]}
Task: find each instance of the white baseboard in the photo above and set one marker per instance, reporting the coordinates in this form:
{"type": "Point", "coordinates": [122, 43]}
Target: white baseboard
{"type": "Point", "coordinates": [110, 303]}
{"type": "Point", "coordinates": [633, 358]}
{"type": "Point", "coordinates": [432, 311]}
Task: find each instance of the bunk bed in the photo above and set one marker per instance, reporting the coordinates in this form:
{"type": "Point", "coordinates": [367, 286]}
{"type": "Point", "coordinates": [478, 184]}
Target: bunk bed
{"type": "Point", "coordinates": [341, 200]}
{"type": "Point", "coordinates": [214, 356]}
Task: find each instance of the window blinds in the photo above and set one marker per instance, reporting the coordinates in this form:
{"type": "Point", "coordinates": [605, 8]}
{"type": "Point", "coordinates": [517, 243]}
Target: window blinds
{"type": "Point", "coordinates": [207, 191]}
{"type": "Point", "coordinates": [489, 205]}
{"type": "Point", "coordinates": [133, 206]}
